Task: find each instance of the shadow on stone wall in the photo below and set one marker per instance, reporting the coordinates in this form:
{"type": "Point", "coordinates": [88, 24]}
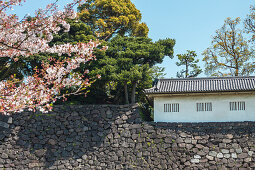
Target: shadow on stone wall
{"type": "Point", "coordinates": [66, 133]}
{"type": "Point", "coordinates": [5, 122]}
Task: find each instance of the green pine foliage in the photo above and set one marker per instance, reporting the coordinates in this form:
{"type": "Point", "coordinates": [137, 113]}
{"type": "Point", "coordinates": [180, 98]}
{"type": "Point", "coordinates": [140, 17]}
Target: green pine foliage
{"type": "Point", "coordinates": [128, 65]}
{"type": "Point", "coordinates": [189, 61]}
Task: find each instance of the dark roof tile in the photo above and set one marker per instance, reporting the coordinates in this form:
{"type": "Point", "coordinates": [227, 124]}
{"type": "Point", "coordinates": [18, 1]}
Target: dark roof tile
{"type": "Point", "coordinates": [190, 85]}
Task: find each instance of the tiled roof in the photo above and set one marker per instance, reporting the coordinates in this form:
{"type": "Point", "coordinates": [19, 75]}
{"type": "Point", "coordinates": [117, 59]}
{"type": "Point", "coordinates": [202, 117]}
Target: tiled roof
{"type": "Point", "coordinates": [193, 85]}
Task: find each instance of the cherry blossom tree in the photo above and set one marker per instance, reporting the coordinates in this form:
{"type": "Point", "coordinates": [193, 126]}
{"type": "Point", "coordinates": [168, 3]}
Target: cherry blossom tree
{"type": "Point", "coordinates": [30, 36]}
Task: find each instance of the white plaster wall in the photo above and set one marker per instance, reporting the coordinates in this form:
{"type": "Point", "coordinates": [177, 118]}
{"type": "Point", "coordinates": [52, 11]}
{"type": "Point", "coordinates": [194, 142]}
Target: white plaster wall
{"type": "Point", "coordinates": [220, 108]}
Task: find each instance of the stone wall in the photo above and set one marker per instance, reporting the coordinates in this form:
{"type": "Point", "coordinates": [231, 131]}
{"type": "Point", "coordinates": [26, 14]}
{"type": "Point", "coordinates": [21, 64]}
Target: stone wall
{"type": "Point", "coordinates": [114, 137]}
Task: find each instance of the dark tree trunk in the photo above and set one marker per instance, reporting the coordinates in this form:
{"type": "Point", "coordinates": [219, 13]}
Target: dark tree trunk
{"type": "Point", "coordinates": [126, 93]}
{"type": "Point", "coordinates": [133, 92]}
{"type": "Point", "coordinates": [187, 70]}
{"type": "Point", "coordinates": [237, 69]}
{"type": "Point", "coordinates": [116, 99]}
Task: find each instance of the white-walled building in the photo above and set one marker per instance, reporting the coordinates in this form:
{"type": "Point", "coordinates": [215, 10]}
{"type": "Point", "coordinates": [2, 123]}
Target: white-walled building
{"type": "Point", "coordinates": [221, 99]}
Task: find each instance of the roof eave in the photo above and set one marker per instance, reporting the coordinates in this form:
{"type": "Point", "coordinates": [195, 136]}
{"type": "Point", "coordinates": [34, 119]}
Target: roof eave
{"type": "Point", "coordinates": [196, 92]}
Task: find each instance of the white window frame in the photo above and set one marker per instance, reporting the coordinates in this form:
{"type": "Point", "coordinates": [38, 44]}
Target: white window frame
{"type": "Point", "coordinates": [171, 107]}
{"type": "Point", "coordinates": [237, 106]}
{"type": "Point", "coordinates": [204, 107]}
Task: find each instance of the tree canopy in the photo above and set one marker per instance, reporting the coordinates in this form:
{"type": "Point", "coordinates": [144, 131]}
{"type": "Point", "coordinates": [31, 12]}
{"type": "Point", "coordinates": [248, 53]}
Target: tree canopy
{"type": "Point", "coordinates": [230, 53]}
{"type": "Point", "coordinates": [129, 59]}
{"type": "Point", "coordinates": [109, 17]}
{"type": "Point", "coordinates": [128, 63]}
{"type": "Point", "coordinates": [250, 23]}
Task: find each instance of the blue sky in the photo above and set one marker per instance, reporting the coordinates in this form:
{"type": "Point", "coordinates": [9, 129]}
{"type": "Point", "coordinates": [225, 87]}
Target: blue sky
{"type": "Point", "coordinates": [190, 23]}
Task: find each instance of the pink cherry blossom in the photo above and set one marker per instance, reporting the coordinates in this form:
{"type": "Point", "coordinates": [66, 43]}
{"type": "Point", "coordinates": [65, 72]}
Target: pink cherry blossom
{"type": "Point", "coordinates": [28, 37]}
